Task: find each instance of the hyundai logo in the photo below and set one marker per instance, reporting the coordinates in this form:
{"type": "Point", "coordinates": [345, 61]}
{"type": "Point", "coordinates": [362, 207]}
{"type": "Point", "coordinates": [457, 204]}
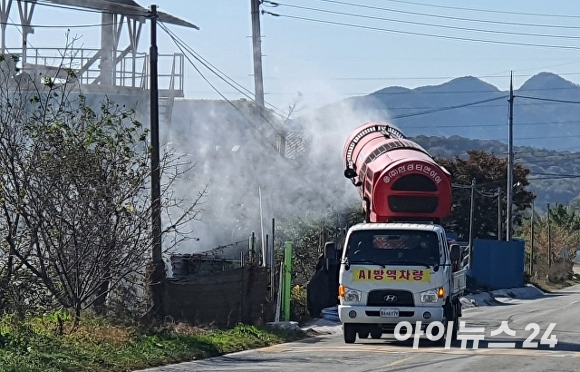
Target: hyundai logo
{"type": "Point", "coordinates": [390, 298]}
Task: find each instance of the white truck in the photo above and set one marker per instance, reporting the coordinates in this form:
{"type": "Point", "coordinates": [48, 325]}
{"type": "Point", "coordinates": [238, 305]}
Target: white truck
{"type": "Point", "coordinates": [395, 272]}
{"type": "Point", "coordinates": [399, 266]}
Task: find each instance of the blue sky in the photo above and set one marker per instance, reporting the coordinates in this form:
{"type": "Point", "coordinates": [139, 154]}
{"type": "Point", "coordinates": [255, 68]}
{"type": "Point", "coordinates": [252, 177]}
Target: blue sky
{"type": "Point", "coordinates": [320, 51]}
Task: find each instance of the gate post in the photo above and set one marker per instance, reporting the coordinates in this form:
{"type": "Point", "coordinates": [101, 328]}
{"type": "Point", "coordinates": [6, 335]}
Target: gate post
{"type": "Point", "coordinates": [286, 291]}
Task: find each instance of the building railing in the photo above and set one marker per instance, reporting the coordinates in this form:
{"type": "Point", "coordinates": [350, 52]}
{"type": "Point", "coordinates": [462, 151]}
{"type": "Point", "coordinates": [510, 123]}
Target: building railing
{"type": "Point", "coordinates": [128, 69]}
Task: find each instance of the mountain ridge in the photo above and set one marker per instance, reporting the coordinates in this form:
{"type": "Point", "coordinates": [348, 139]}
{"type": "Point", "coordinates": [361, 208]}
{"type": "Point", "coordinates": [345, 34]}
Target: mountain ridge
{"type": "Point", "coordinates": [546, 110]}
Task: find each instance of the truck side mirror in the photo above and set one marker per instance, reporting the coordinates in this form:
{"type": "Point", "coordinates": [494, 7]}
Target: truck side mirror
{"type": "Point", "coordinates": [455, 253]}
{"type": "Point", "coordinates": [330, 254]}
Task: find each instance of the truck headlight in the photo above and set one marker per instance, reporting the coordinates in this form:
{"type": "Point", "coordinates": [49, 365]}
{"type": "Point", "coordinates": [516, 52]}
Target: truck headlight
{"type": "Point", "coordinates": [429, 296]}
{"type": "Point", "coordinates": [351, 295]}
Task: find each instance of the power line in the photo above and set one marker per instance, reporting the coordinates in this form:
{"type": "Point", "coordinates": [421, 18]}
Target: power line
{"type": "Point", "coordinates": [222, 76]}
{"type": "Point", "coordinates": [182, 45]}
{"type": "Point", "coordinates": [448, 108]}
{"type": "Point", "coordinates": [543, 137]}
{"type": "Point", "coordinates": [481, 10]}
{"type": "Point", "coordinates": [520, 124]}
{"type": "Point", "coordinates": [326, 11]}
{"type": "Point", "coordinates": [562, 149]}
{"type": "Point", "coordinates": [531, 178]}
{"type": "Point", "coordinates": [447, 37]}
{"type": "Point", "coordinates": [547, 99]}
{"type": "Point", "coordinates": [556, 174]}
{"type": "Point", "coordinates": [179, 43]}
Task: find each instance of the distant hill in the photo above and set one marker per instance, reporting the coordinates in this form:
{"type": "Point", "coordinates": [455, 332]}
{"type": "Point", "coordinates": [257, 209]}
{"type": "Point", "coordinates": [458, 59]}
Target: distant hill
{"type": "Point", "coordinates": [546, 111]}
{"type": "Point", "coordinates": [544, 165]}
{"type": "Point", "coordinates": [467, 113]}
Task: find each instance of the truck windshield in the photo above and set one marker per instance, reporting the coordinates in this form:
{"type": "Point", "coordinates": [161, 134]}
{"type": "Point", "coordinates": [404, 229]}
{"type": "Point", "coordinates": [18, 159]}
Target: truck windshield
{"type": "Point", "coordinates": [393, 247]}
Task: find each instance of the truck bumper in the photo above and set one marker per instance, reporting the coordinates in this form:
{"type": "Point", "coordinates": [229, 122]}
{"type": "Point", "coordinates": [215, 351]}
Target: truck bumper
{"type": "Point", "coordinates": [371, 315]}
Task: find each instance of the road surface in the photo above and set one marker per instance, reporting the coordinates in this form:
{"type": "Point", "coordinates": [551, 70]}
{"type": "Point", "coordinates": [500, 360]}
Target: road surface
{"type": "Point", "coordinates": [328, 353]}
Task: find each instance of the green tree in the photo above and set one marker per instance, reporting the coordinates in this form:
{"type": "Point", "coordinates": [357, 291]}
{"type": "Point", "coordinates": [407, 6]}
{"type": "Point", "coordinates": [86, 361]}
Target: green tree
{"type": "Point", "coordinates": [75, 193]}
{"type": "Point", "coordinates": [565, 216]}
{"type": "Point", "coordinates": [311, 232]}
{"type": "Point", "coordinates": [548, 247]}
{"type": "Point", "coordinates": [489, 173]}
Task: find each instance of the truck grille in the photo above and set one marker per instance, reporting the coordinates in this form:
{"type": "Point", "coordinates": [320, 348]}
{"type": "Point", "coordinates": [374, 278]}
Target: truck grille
{"type": "Point", "coordinates": [387, 297]}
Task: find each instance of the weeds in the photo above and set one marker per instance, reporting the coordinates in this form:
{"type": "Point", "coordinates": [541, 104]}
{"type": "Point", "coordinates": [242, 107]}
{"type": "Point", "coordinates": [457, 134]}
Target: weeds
{"type": "Point", "coordinates": [36, 345]}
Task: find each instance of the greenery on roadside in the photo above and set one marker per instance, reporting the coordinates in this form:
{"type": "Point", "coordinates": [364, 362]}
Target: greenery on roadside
{"type": "Point", "coordinates": [489, 173]}
{"type": "Point", "coordinates": [75, 227]}
{"type": "Point", "coordinates": [556, 238]}
{"type": "Point", "coordinates": [96, 345]}
{"type": "Point", "coordinates": [309, 234]}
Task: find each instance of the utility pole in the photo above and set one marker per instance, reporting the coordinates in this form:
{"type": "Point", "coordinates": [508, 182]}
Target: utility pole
{"type": "Point", "coordinates": [549, 238]}
{"type": "Point", "coordinates": [532, 241]}
{"type": "Point", "coordinates": [510, 165]}
{"type": "Point", "coordinates": [258, 77]}
{"type": "Point", "coordinates": [499, 213]}
{"type": "Point", "coordinates": [471, 217]}
{"type": "Point", "coordinates": [158, 274]}
{"type": "Point", "coordinates": [257, 47]}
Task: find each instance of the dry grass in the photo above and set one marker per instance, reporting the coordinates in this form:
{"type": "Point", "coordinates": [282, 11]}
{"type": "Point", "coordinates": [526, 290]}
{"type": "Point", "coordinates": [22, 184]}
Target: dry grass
{"type": "Point", "coordinates": [559, 275]}
{"type": "Point", "coordinates": [101, 334]}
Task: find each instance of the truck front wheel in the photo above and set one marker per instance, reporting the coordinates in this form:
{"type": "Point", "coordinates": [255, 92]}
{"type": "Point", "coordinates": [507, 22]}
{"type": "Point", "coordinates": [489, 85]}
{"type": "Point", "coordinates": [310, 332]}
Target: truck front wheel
{"type": "Point", "coordinates": [450, 314]}
{"type": "Point", "coordinates": [349, 331]}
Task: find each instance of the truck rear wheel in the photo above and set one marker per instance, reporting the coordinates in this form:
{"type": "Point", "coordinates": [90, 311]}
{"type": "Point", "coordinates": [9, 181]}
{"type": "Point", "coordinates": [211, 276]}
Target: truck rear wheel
{"type": "Point", "coordinates": [451, 314]}
{"type": "Point", "coordinates": [441, 340]}
{"type": "Point", "coordinates": [349, 332]}
{"type": "Point", "coordinates": [455, 329]}
{"type": "Point", "coordinates": [457, 314]}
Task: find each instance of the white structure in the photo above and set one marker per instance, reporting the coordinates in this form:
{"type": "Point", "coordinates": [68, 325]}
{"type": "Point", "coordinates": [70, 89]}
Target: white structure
{"type": "Point", "coordinates": [108, 67]}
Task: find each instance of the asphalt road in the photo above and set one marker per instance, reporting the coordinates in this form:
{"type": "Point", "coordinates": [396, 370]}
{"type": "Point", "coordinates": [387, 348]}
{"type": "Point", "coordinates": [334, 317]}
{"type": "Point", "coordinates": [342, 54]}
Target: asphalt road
{"type": "Point", "coordinates": [327, 353]}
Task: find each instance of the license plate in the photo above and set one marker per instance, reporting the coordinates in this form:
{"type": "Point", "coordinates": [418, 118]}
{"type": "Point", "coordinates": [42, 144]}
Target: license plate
{"type": "Point", "coordinates": [389, 313]}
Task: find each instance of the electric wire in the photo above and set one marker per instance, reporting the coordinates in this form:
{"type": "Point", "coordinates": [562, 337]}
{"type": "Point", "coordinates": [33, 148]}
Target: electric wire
{"type": "Point", "coordinates": [248, 120]}
{"type": "Point", "coordinates": [450, 27]}
{"type": "Point", "coordinates": [222, 76]}
{"type": "Point", "coordinates": [241, 88]}
{"type": "Point", "coordinates": [183, 48]}
{"type": "Point", "coordinates": [432, 35]}
{"type": "Point", "coordinates": [547, 99]}
{"type": "Point", "coordinates": [480, 10]}
{"type": "Point", "coordinates": [441, 109]}
{"type": "Point", "coordinates": [442, 16]}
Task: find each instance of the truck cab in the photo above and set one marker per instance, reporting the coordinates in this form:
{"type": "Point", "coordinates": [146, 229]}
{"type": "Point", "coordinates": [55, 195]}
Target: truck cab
{"type": "Point", "coordinates": [394, 272]}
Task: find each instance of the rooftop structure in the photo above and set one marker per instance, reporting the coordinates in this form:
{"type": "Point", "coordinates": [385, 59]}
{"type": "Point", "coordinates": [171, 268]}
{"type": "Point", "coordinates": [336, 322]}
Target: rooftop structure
{"type": "Point", "coordinates": [108, 67]}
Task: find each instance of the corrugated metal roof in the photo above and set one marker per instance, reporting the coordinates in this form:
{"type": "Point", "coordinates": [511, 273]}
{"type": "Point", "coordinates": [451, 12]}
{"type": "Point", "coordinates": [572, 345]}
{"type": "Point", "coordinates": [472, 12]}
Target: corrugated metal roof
{"type": "Point", "coordinates": [128, 8]}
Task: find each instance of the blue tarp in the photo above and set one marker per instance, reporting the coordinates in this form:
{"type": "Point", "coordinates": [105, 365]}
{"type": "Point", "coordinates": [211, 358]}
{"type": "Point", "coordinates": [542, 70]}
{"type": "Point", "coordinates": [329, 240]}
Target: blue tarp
{"type": "Point", "coordinates": [331, 313]}
{"type": "Point", "coordinates": [498, 264]}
